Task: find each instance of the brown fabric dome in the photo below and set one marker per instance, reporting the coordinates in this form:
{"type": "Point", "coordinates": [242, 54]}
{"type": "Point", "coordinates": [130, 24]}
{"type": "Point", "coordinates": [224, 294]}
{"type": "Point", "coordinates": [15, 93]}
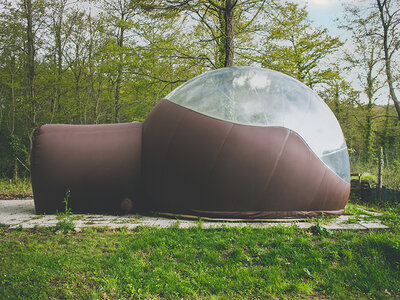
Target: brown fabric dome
{"type": "Point", "coordinates": [187, 163]}
{"type": "Point", "coordinates": [195, 164]}
{"type": "Point", "coordinates": [99, 164]}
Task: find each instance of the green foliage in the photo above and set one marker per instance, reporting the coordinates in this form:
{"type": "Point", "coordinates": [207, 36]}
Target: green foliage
{"type": "Point", "coordinates": [319, 229]}
{"type": "Point", "coordinates": [67, 211]}
{"type": "Point", "coordinates": [369, 171]}
{"type": "Point", "coordinates": [64, 225]}
{"type": "Point", "coordinates": [293, 46]}
{"type": "Point", "coordinates": [19, 188]}
{"type": "Point", "coordinates": [191, 263]}
{"type": "Point", "coordinates": [367, 176]}
{"type": "Point", "coordinates": [115, 65]}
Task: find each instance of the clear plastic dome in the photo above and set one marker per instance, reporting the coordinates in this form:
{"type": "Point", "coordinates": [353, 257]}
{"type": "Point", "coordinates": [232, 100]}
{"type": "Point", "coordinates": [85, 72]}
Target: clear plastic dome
{"type": "Point", "coordinates": [262, 97]}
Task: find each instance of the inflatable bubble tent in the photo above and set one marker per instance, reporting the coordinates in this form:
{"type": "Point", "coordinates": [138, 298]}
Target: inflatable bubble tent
{"type": "Point", "coordinates": [239, 142]}
{"type": "Point", "coordinates": [262, 97]}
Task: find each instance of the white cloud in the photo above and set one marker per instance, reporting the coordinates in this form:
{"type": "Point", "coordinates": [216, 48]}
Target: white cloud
{"type": "Point", "coordinates": [317, 3]}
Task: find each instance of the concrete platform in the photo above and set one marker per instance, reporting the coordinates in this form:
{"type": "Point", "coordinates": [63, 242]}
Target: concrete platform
{"type": "Point", "coordinates": [15, 213]}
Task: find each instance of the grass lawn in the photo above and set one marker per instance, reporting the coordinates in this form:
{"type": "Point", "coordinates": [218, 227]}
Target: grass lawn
{"type": "Point", "coordinates": [20, 189]}
{"type": "Point", "coordinates": [197, 263]}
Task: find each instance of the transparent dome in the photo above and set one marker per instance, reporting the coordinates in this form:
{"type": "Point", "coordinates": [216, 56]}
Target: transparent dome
{"type": "Point", "coordinates": [262, 97]}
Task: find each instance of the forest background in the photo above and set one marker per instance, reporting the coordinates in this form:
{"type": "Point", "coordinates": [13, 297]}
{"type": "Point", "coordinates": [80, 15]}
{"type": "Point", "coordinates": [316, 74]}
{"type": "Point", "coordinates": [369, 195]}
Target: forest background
{"type": "Point", "coordinates": [106, 61]}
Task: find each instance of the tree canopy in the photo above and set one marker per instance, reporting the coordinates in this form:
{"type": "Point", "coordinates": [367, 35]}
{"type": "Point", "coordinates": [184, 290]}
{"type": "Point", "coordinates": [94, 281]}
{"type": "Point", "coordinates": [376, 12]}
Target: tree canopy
{"type": "Point", "coordinates": [104, 61]}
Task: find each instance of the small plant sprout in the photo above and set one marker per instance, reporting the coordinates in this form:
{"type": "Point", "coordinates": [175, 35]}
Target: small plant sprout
{"type": "Point", "coordinates": [66, 201]}
{"type": "Point", "coordinates": [66, 224]}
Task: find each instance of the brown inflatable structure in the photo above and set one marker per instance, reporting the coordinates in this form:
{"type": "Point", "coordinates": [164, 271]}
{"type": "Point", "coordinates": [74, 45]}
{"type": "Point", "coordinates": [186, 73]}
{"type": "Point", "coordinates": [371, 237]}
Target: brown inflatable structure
{"type": "Point", "coordinates": [99, 164]}
{"type": "Point", "coordinates": [182, 161]}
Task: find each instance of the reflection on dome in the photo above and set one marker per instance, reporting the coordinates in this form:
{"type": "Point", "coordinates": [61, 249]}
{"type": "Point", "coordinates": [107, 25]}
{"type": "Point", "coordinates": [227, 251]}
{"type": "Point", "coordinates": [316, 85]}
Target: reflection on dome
{"type": "Point", "coordinates": [261, 97]}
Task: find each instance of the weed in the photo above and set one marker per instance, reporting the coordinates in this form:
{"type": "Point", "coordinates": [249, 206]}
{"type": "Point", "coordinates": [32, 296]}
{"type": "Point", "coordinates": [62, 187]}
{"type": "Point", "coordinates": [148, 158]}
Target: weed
{"type": "Point", "coordinates": [65, 225]}
{"type": "Point", "coordinates": [67, 211]}
{"type": "Point", "coordinates": [200, 223]}
{"type": "Point", "coordinates": [176, 224]}
{"type": "Point", "coordinates": [352, 221]}
{"type": "Point", "coordinates": [318, 229]}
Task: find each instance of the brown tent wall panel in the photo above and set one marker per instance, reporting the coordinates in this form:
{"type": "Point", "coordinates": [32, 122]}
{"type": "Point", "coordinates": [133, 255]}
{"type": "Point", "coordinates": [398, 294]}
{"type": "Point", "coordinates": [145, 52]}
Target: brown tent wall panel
{"type": "Point", "coordinates": [99, 164]}
{"type": "Point", "coordinates": [195, 164]}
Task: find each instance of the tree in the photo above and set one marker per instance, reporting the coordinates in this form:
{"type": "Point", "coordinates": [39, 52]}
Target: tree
{"type": "Point", "coordinates": [30, 59]}
{"type": "Point", "coordinates": [60, 33]}
{"type": "Point", "coordinates": [119, 14]}
{"type": "Point", "coordinates": [365, 56]}
{"type": "Point", "coordinates": [343, 101]}
{"type": "Point", "coordinates": [389, 16]}
{"type": "Point", "coordinates": [293, 46]}
{"type": "Point", "coordinates": [11, 53]}
{"type": "Point", "coordinates": [383, 22]}
{"type": "Point", "coordinates": [222, 21]}
{"type": "Point", "coordinates": [32, 15]}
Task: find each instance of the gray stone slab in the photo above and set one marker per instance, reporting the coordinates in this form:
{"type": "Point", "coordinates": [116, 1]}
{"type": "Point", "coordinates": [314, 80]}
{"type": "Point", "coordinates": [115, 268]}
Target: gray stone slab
{"type": "Point", "coordinates": [344, 226]}
{"type": "Point", "coordinates": [304, 225]}
{"type": "Point", "coordinates": [373, 225]}
{"type": "Point", "coordinates": [342, 218]}
{"type": "Point", "coordinates": [22, 213]}
{"type": "Point", "coordinates": [372, 213]}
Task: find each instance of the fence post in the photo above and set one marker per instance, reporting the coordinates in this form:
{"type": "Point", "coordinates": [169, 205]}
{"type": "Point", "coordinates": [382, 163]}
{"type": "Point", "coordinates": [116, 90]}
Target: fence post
{"type": "Point", "coordinates": [379, 194]}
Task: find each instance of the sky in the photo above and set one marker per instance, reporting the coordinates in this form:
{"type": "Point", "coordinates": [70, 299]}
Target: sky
{"type": "Point", "coordinates": [324, 12]}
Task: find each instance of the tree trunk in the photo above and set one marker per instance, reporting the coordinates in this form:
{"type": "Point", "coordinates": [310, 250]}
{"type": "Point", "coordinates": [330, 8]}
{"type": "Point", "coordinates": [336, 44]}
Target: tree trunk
{"type": "Point", "coordinates": [379, 194]}
{"type": "Point", "coordinates": [337, 101]}
{"type": "Point", "coordinates": [97, 103]}
{"type": "Point", "coordinates": [390, 83]}
{"type": "Point", "coordinates": [120, 43]}
{"type": "Point", "coordinates": [92, 92]}
{"type": "Point", "coordinates": [229, 45]}
{"type": "Point", "coordinates": [220, 63]}
{"type": "Point", "coordinates": [15, 175]}
{"type": "Point", "coordinates": [59, 67]}
{"type": "Point", "coordinates": [30, 70]}
{"type": "Point", "coordinates": [13, 104]}
{"type": "Point", "coordinates": [78, 95]}
{"type": "Point", "coordinates": [386, 127]}
{"type": "Point", "coordinates": [1, 116]}
{"type": "Point", "coordinates": [13, 124]}
{"type": "Point", "coordinates": [370, 137]}
{"type": "Point", "coordinates": [30, 64]}
{"type": "Point", "coordinates": [386, 23]}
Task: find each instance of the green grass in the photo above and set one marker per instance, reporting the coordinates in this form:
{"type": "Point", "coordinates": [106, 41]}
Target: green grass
{"type": "Point", "coordinates": [198, 263]}
{"type": "Point", "coordinates": [367, 176]}
{"type": "Point", "coordinates": [173, 263]}
{"type": "Point", "coordinates": [21, 188]}
{"type": "Point", "coordinates": [369, 171]}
